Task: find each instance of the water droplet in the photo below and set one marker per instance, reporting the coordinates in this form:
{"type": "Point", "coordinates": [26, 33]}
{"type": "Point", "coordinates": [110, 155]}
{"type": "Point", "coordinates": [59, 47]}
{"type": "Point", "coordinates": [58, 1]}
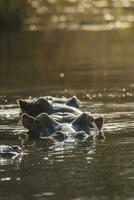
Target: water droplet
{"type": "Point", "coordinates": [62, 75]}
{"type": "Point", "coordinates": [18, 179]}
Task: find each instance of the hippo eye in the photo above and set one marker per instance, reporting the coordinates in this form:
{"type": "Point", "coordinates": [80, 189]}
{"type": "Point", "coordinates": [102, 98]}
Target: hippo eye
{"type": "Point", "coordinates": [91, 119]}
{"type": "Point", "coordinates": [91, 125]}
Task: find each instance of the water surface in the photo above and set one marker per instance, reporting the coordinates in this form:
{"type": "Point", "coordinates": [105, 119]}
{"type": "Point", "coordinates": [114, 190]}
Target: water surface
{"type": "Point", "coordinates": [98, 68]}
{"type": "Point", "coordinates": [100, 169]}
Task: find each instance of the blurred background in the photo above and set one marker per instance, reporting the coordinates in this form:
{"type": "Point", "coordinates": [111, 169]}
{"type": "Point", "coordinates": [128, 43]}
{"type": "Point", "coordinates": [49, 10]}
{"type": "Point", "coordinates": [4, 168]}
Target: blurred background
{"type": "Point", "coordinates": [66, 44]}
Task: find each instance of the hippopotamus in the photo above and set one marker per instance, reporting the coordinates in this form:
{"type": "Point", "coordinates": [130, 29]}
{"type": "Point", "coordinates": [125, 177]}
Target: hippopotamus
{"type": "Point", "coordinates": [41, 105]}
{"type": "Point", "coordinates": [64, 117]}
{"type": "Point", "coordinates": [44, 126]}
{"type": "Point", "coordinates": [10, 151]}
{"type": "Point", "coordinates": [72, 101]}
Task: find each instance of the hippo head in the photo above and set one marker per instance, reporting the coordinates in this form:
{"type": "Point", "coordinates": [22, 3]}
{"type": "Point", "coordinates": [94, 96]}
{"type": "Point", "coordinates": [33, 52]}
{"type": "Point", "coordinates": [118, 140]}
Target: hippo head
{"type": "Point", "coordinates": [87, 123]}
{"type": "Point", "coordinates": [41, 126]}
{"type": "Point", "coordinates": [35, 108]}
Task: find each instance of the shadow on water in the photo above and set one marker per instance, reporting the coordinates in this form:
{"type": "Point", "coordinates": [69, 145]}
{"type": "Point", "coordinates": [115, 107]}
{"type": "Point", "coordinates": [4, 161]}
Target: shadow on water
{"type": "Point", "coordinates": [98, 68]}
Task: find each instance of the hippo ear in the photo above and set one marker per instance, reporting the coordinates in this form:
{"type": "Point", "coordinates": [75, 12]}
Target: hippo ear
{"type": "Point", "coordinates": [73, 101]}
{"type": "Point", "coordinates": [23, 105]}
{"type": "Point", "coordinates": [27, 121]}
{"type": "Point", "coordinates": [99, 122]}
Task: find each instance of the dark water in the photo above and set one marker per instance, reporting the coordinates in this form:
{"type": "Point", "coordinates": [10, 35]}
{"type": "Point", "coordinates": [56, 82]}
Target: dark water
{"type": "Point", "coordinates": [98, 68]}
{"type": "Point", "coordinates": [66, 59]}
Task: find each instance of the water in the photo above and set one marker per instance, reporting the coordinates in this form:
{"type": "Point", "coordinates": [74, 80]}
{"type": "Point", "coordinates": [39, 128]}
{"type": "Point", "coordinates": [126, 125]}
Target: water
{"type": "Point", "coordinates": [77, 58]}
{"type": "Point", "coordinates": [101, 169]}
{"type": "Point", "coordinates": [98, 68]}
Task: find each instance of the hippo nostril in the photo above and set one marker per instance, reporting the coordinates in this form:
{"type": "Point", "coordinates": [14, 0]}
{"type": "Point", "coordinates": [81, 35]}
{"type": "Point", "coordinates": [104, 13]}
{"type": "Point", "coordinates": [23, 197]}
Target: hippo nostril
{"type": "Point", "coordinates": [80, 135]}
{"type": "Point", "coordinates": [60, 136]}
